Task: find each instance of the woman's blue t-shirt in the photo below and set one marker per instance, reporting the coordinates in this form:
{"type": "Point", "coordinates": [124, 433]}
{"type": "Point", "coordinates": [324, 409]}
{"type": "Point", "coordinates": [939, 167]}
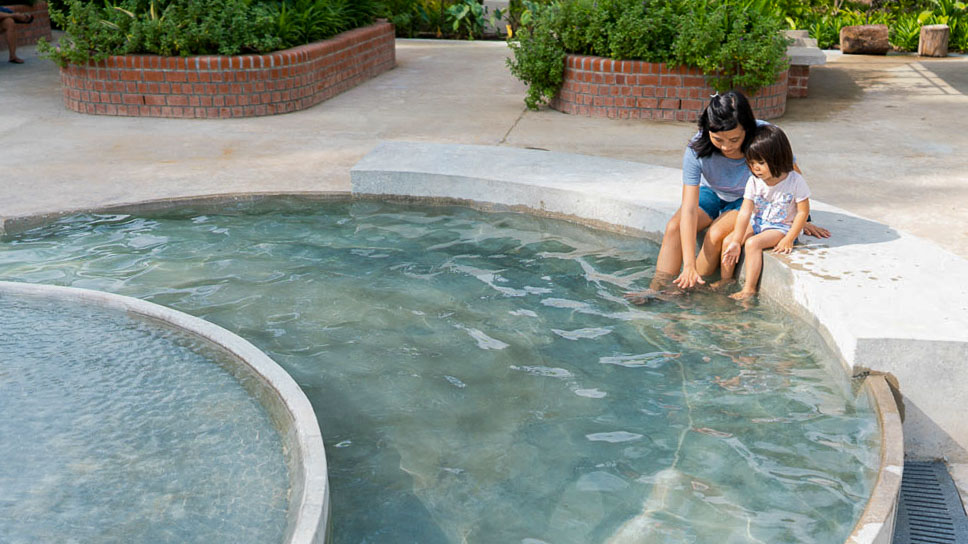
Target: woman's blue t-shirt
{"type": "Point", "coordinates": [726, 177]}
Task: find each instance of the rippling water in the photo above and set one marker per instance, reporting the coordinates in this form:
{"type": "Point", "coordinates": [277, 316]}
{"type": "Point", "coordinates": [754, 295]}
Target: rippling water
{"type": "Point", "coordinates": [479, 378]}
{"type": "Point", "coordinates": [116, 430]}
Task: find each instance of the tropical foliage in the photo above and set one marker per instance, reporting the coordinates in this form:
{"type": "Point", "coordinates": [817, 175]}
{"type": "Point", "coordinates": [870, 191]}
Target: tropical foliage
{"type": "Point", "coordinates": [904, 18]}
{"type": "Point", "coordinates": [469, 19]}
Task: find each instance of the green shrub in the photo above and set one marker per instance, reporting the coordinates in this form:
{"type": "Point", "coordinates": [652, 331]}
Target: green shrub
{"type": "Point", "coordinates": [735, 44]}
{"type": "Point", "coordinates": [539, 58]}
{"type": "Point", "coordinates": [735, 49]}
{"type": "Point", "coordinates": [96, 30]}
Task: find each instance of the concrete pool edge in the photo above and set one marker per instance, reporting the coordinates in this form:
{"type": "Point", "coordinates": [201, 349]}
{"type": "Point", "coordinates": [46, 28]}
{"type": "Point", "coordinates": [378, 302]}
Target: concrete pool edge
{"type": "Point", "coordinates": [876, 523]}
{"type": "Point", "coordinates": [280, 396]}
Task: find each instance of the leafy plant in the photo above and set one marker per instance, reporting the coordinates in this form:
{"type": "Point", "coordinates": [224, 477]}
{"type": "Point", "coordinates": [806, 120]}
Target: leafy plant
{"type": "Point", "coordinates": [96, 30]}
{"type": "Point", "coordinates": [733, 48]}
{"type": "Point", "coordinates": [304, 21]}
{"type": "Point", "coordinates": [539, 58]}
{"type": "Point", "coordinates": [731, 41]}
{"type": "Point", "coordinates": [906, 31]}
{"type": "Point", "coordinates": [467, 18]}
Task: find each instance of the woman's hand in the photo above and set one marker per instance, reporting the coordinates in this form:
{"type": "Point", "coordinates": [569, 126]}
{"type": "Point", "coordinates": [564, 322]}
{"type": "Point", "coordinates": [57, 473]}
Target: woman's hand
{"type": "Point", "coordinates": [731, 253]}
{"type": "Point", "coordinates": [817, 232]}
{"type": "Point", "coordinates": [689, 278]}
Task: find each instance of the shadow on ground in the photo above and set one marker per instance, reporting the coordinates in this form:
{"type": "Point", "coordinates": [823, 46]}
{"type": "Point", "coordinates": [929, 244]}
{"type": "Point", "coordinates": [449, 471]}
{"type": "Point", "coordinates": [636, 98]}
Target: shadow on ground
{"type": "Point", "coordinates": [952, 73]}
{"type": "Point", "coordinates": [832, 90]}
{"type": "Point", "coordinates": [846, 230]}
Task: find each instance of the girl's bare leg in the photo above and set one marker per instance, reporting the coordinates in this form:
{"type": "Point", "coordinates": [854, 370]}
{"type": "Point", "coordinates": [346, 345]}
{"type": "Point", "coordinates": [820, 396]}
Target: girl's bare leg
{"type": "Point", "coordinates": [754, 260]}
{"type": "Point", "coordinates": [712, 243]}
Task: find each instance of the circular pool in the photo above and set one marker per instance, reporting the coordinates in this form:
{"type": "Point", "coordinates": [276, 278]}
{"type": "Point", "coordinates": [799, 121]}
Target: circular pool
{"type": "Point", "coordinates": [117, 428]}
{"type": "Point", "coordinates": [480, 377]}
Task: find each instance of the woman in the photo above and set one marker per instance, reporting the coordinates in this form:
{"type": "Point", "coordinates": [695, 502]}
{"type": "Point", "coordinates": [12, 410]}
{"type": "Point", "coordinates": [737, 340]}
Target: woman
{"type": "Point", "coordinates": [714, 175]}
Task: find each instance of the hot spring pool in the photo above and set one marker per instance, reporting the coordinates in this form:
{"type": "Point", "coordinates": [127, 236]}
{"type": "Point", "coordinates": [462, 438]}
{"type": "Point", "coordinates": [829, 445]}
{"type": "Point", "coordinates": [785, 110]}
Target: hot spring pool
{"type": "Point", "coordinates": [479, 377]}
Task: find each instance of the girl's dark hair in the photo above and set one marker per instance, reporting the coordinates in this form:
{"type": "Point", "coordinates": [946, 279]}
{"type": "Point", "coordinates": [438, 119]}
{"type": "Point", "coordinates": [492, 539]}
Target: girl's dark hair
{"type": "Point", "coordinates": [770, 145]}
{"type": "Point", "coordinates": [725, 112]}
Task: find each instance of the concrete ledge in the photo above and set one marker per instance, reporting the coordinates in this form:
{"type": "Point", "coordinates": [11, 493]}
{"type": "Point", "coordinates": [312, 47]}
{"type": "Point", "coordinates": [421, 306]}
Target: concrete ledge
{"type": "Point", "coordinates": [282, 398]}
{"type": "Point", "coordinates": [882, 300]}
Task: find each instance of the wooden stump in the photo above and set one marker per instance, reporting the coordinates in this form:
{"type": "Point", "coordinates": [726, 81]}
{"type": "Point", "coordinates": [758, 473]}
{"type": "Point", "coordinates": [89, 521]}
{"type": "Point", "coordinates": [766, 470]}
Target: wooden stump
{"type": "Point", "coordinates": [934, 41]}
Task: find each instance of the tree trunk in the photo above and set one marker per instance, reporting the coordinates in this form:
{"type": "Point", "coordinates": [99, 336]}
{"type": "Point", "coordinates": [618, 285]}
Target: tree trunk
{"type": "Point", "coordinates": [934, 41]}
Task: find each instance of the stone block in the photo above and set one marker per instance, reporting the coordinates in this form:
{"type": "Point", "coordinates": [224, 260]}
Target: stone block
{"type": "Point", "coordinates": [865, 40]}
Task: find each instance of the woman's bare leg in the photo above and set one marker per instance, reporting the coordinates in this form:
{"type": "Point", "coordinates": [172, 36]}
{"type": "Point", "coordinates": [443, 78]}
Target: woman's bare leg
{"type": "Point", "coordinates": [669, 262]}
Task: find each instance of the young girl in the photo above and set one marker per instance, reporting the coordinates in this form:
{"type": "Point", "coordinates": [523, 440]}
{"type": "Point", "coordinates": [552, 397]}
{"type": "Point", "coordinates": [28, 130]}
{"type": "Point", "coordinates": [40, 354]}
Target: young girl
{"type": "Point", "coordinates": [774, 210]}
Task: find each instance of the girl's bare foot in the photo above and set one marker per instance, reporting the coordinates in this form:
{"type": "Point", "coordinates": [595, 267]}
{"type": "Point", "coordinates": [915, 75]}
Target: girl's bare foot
{"type": "Point", "coordinates": [722, 284]}
{"type": "Point", "coordinates": [743, 295]}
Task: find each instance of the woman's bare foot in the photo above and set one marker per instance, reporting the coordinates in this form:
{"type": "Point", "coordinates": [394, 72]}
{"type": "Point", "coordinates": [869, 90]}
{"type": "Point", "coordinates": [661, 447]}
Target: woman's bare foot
{"type": "Point", "coordinates": [16, 60]}
{"type": "Point", "coordinates": [743, 295]}
{"type": "Point", "coordinates": [722, 284]}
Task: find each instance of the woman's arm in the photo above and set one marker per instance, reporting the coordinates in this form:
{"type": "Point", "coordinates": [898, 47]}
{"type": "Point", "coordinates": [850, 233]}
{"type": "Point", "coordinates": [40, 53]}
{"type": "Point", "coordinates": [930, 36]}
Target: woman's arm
{"type": "Point", "coordinates": [688, 225]}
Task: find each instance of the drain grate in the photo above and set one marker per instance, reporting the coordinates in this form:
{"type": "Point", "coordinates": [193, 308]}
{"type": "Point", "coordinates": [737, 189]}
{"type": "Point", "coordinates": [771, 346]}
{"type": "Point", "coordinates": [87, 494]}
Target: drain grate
{"type": "Point", "coordinates": [930, 510]}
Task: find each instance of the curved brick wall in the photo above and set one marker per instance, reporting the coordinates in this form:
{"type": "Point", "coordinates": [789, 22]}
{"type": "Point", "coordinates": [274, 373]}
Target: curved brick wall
{"type": "Point", "coordinates": [29, 34]}
{"type": "Point", "coordinates": [236, 86]}
{"type": "Point", "coordinates": [631, 89]}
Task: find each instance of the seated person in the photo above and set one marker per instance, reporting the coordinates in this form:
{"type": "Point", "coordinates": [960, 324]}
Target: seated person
{"type": "Point", "coordinates": [8, 21]}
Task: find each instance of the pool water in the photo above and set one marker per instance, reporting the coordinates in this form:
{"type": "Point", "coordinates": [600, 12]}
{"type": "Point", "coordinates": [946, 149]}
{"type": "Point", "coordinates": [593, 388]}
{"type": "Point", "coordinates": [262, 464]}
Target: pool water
{"type": "Point", "coordinates": [479, 377]}
{"type": "Point", "coordinates": [116, 429]}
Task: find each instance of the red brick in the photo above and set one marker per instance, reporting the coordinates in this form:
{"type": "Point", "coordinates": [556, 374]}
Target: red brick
{"type": "Point", "coordinates": [669, 104]}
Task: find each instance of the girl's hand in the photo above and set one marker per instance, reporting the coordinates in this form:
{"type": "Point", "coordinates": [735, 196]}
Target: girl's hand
{"type": "Point", "coordinates": [783, 246]}
{"type": "Point", "coordinates": [817, 232]}
{"type": "Point", "coordinates": [689, 278]}
{"type": "Point", "coordinates": [731, 253]}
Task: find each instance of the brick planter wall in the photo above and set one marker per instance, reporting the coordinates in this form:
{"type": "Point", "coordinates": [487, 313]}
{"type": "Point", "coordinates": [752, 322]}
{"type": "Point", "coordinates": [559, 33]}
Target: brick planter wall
{"type": "Point", "coordinates": [236, 86]}
{"type": "Point", "coordinates": [798, 81]}
{"type": "Point", "coordinates": [627, 89]}
{"type": "Point", "coordinates": [29, 34]}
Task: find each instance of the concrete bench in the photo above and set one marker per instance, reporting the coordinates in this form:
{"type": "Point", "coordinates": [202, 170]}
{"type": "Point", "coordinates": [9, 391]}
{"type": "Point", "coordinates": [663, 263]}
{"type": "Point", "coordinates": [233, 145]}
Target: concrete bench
{"type": "Point", "coordinates": [803, 54]}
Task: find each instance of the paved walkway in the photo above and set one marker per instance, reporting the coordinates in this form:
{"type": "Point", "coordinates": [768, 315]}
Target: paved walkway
{"type": "Point", "coordinates": [882, 137]}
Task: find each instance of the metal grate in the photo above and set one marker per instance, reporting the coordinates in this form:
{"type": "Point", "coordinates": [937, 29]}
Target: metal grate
{"type": "Point", "coordinates": [930, 509]}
